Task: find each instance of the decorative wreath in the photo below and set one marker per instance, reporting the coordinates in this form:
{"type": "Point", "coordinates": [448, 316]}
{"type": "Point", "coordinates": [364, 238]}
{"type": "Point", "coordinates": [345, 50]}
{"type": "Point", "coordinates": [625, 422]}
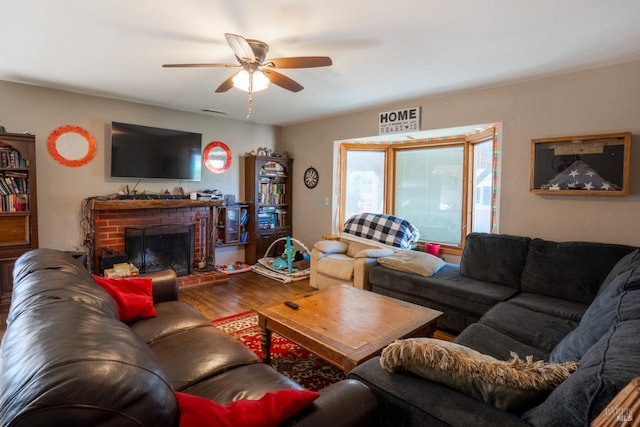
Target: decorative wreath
{"type": "Point", "coordinates": [210, 165]}
{"type": "Point", "coordinates": [53, 150]}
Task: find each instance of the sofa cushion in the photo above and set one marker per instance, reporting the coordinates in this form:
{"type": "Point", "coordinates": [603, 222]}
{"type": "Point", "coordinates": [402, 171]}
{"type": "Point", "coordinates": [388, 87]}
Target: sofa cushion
{"type": "Point", "coordinates": [68, 361]}
{"type": "Point", "coordinates": [504, 384]}
{"type": "Point", "coordinates": [620, 300]}
{"type": "Point", "coordinates": [354, 248]}
{"type": "Point", "coordinates": [172, 317]}
{"type": "Point", "coordinates": [489, 341]}
{"type": "Point", "coordinates": [462, 299]}
{"type": "Point", "coordinates": [133, 296]}
{"type": "Point", "coordinates": [406, 399]}
{"type": "Point", "coordinates": [48, 276]}
{"type": "Point", "coordinates": [495, 258]}
{"type": "Point", "coordinates": [210, 351]}
{"type": "Point", "coordinates": [246, 382]}
{"type": "Point", "coordinates": [270, 410]}
{"type": "Point", "coordinates": [331, 246]}
{"type": "Point", "coordinates": [553, 306]}
{"type": "Point", "coordinates": [339, 266]}
{"type": "Point", "coordinates": [416, 262]}
{"type": "Point", "coordinates": [604, 370]}
{"type": "Point", "coordinates": [540, 330]}
{"type": "Point", "coordinates": [626, 263]}
{"type": "Point", "coordinates": [572, 271]}
{"type": "Point", "coordinates": [446, 285]}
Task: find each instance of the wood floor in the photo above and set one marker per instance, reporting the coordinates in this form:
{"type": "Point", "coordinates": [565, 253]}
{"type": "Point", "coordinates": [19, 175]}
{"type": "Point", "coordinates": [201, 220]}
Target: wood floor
{"type": "Point", "coordinates": [241, 292]}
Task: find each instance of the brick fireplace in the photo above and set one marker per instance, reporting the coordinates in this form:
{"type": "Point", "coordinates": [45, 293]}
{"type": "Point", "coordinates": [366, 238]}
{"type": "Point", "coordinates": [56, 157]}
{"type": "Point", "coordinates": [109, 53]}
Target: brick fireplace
{"type": "Point", "coordinates": [110, 218]}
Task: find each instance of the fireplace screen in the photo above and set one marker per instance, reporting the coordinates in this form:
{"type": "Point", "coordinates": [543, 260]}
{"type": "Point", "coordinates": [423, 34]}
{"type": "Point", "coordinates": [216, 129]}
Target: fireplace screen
{"type": "Point", "coordinates": [160, 247]}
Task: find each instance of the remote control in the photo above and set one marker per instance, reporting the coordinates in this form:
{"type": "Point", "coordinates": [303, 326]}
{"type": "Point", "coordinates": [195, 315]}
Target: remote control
{"type": "Point", "coordinates": [291, 304]}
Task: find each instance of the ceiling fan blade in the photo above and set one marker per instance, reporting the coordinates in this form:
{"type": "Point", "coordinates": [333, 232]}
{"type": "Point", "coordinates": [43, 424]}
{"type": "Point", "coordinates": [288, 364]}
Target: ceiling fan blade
{"type": "Point", "coordinates": [240, 47]}
{"type": "Point", "coordinates": [226, 85]}
{"type": "Point", "coordinates": [282, 81]}
{"type": "Point", "coordinates": [200, 65]}
{"type": "Point", "coordinates": [300, 62]}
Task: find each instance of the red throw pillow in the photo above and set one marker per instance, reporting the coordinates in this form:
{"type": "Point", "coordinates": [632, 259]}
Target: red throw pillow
{"type": "Point", "coordinates": [268, 411]}
{"type": "Point", "coordinates": [133, 296]}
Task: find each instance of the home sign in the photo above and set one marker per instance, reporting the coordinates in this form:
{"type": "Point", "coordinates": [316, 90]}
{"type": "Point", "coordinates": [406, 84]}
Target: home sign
{"type": "Point", "coordinates": [398, 121]}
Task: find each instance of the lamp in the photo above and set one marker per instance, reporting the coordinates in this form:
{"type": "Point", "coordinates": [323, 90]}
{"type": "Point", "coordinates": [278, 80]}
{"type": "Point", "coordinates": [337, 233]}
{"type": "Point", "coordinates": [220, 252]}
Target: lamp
{"type": "Point", "coordinates": [249, 80]}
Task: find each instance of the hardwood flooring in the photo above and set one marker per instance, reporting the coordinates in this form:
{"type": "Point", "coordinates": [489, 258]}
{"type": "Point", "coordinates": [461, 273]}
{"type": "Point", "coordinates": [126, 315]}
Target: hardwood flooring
{"type": "Point", "coordinates": [241, 292]}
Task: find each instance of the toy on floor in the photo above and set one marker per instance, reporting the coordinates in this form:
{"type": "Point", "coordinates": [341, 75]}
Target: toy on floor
{"type": "Point", "coordinates": [237, 267]}
{"type": "Point", "coordinates": [290, 266]}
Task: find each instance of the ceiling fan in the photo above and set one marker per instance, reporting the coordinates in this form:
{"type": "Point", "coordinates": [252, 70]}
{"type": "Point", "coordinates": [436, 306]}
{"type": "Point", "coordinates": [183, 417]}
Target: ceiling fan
{"type": "Point", "coordinates": [256, 73]}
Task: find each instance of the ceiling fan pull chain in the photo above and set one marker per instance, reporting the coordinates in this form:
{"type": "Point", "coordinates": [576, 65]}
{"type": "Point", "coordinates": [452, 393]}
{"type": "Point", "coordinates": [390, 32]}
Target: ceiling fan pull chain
{"type": "Point", "coordinates": [249, 106]}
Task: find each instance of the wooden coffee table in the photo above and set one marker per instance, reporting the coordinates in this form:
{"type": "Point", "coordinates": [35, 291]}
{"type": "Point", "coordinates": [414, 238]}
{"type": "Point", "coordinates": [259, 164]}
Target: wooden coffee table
{"type": "Point", "coordinates": [344, 325]}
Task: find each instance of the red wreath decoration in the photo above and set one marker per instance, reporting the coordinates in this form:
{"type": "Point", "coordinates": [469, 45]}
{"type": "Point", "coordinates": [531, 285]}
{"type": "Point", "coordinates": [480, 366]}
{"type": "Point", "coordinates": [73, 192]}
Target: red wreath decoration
{"type": "Point", "coordinates": [53, 150]}
{"type": "Point", "coordinates": [210, 166]}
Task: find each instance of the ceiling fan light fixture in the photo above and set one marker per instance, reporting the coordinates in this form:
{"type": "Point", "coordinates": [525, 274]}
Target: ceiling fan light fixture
{"type": "Point", "coordinates": [251, 81]}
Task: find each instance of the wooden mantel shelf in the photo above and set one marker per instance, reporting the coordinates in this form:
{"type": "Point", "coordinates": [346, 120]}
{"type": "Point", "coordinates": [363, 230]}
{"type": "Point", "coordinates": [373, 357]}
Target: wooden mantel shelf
{"type": "Point", "coordinates": [113, 205]}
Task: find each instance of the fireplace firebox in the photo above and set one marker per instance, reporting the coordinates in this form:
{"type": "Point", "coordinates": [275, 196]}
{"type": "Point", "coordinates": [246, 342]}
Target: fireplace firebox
{"type": "Point", "coordinates": [159, 247]}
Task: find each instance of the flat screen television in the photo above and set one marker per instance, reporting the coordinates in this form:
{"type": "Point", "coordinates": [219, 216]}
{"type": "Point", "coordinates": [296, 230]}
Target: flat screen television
{"type": "Point", "coordinates": [148, 152]}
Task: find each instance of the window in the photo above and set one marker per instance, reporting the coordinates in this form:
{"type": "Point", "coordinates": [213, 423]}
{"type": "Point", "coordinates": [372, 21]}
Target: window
{"type": "Point", "coordinates": [429, 191]}
{"type": "Point", "coordinates": [482, 190]}
{"type": "Point", "coordinates": [446, 186]}
{"type": "Point", "coordinates": [364, 181]}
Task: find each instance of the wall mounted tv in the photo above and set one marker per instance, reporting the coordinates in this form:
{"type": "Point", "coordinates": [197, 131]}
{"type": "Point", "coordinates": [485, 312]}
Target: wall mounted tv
{"type": "Point", "coordinates": [148, 152]}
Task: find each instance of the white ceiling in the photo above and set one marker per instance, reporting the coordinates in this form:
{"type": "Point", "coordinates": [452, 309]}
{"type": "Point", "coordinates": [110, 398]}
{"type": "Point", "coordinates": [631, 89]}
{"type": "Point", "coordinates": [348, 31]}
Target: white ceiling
{"type": "Point", "coordinates": [382, 52]}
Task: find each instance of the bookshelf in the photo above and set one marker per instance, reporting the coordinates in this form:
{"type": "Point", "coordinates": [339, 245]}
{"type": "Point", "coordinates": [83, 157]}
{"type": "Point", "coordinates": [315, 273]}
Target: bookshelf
{"type": "Point", "coordinates": [18, 207]}
{"type": "Point", "coordinates": [268, 190]}
{"type": "Point", "coordinates": [231, 224]}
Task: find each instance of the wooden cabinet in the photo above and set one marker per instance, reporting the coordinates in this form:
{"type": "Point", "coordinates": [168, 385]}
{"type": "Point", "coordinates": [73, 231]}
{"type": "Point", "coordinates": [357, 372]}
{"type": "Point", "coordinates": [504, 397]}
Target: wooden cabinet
{"type": "Point", "coordinates": [268, 191]}
{"type": "Point", "coordinates": [231, 223]}
{"type": "Point", "coordinates": [19, 208]}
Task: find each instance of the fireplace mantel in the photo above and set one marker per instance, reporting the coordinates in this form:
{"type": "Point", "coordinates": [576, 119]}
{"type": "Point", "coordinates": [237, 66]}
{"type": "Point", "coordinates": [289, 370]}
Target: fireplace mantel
{"type": "Point", "coordinates": [116, 205]}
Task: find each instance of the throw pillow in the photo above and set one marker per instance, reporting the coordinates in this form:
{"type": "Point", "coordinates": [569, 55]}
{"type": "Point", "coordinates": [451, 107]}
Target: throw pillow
{"type": "Point", "coordinates": [416, 262]}
{"type": "Point", "coordinates": [507, 385]}
{"type": "Point", "coordinates": [605, 369]}
{"type": "Point", "coordinates": [133, 296]}
{"type": "Point", "coordinates": [268, 411]}
{"type": "Point", "coordinates": [626, 263]}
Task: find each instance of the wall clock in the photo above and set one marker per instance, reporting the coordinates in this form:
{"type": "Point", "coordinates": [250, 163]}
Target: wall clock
{"type": "Point", "coordinates": [311, 177]}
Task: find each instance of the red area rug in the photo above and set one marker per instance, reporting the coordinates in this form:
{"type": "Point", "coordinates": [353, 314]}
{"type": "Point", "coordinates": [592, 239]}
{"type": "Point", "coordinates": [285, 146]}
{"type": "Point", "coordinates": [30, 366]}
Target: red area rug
{"type": "Point", "coordinates": [297, 363]}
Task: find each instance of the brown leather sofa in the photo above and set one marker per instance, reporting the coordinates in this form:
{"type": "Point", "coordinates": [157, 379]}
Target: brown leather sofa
{"type": "Point", "coordinates": [66, 359]}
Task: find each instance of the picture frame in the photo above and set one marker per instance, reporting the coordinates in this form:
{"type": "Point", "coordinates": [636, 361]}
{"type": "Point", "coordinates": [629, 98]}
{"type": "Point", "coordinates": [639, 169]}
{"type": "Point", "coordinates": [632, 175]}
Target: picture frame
{"type": "Point", "coordinates": [581, 165]}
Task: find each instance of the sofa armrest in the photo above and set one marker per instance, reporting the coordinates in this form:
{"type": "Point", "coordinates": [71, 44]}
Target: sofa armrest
{"type": "Point", "coordinates": [331, 246]}
{"type": "Point", "coordinates": [374, 253]}
{"type": "Point", "coordinates": [347, 403]}
{"type": "Point", "coordinates": [165, 285]}
{"type": "Point", "coordinates": [361, 272]}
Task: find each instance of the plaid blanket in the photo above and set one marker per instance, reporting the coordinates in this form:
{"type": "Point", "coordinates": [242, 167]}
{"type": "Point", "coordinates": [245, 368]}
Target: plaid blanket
{"type": "Point", "coordinates": [387, 229]}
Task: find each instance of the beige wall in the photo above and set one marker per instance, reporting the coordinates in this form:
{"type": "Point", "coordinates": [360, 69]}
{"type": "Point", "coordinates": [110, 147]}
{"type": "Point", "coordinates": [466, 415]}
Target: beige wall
{"type": "Point", "coordinates": [600, 100]}
{"type": "Point", "coordinates": [594, 101]}
{"type": "Point", "coordinates": [61, 189]}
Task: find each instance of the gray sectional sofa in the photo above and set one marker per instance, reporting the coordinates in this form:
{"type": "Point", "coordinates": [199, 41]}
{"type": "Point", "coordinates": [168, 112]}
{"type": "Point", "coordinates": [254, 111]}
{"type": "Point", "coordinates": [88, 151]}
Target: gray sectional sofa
{"type": "Point", "coordinates": [558, 302]}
